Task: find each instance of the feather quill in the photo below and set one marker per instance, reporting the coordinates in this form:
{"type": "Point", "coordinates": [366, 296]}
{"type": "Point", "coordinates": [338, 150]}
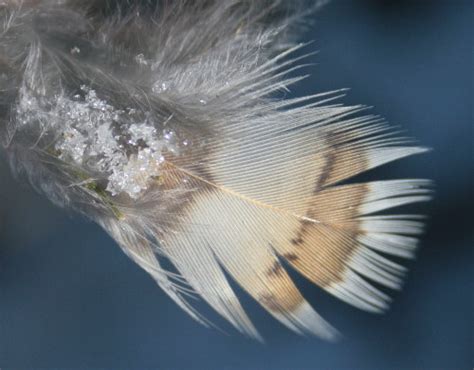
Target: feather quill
{"type": "Point", "coordinates": [163, 122]}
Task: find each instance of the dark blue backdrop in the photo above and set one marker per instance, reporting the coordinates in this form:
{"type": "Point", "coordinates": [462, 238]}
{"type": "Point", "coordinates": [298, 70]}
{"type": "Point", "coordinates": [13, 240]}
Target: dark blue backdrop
{"type": "Point", "coordinates": [69, 297]}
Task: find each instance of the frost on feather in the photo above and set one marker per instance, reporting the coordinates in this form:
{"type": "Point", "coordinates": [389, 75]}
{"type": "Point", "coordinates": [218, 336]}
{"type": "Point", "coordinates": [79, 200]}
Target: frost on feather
{"type": "Point", "coordinates": [164, 122]}
{"type": "Point", "coordinates": [88, 132]}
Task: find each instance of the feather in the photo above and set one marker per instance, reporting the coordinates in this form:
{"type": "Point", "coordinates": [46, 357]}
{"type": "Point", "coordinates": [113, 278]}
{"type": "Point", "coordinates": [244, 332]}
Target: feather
{"type": "Point", "coordinates": [164, 123]}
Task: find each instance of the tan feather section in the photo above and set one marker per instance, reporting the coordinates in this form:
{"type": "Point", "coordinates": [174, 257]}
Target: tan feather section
{"type": "Point", "coordinates": [323, 246]}
{"type": "Point", "coordinates": [265, 194]}
{"type": "Point", "coordinates": [217, 226]}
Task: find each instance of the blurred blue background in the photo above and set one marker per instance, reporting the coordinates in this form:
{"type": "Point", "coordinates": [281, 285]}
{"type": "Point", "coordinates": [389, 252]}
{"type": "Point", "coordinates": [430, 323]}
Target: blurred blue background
{"type": "Point", "coordinates": [69, 296]}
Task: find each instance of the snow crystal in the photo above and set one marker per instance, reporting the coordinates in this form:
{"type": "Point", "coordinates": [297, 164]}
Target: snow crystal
{"type": "Point", "coordinates": [92, 133]}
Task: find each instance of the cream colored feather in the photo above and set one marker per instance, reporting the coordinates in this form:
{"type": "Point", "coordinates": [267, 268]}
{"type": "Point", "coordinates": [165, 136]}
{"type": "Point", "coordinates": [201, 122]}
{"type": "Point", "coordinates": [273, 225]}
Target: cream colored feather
{"type": "Point", "coordinates": [164, 124]}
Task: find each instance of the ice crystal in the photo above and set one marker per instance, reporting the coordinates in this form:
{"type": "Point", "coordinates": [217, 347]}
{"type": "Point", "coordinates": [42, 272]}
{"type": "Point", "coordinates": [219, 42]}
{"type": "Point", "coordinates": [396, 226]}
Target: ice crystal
{"type": "Point", "coordinates": [160, 87]}
{"type": "Point", "coordinates": [91, 133]}
{"type": "Point", "coordinates": [75, 50]}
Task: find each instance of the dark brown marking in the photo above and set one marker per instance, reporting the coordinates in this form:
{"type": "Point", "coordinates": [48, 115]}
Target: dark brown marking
{"type": "Point", "coordinates": [330, 243]}
{"type": "Point", "coordinates": [291, 257]}
{"type": "Point", "coordinates": [280, 300]}
{"type": "Point", "coordinates": [298, 240]}
{"type": "Point", "coordinates": [270, 301]}
{"type": "Point", "coordinates": [276, 270]}
{"type": "Point", "coordinates": [327, 169]}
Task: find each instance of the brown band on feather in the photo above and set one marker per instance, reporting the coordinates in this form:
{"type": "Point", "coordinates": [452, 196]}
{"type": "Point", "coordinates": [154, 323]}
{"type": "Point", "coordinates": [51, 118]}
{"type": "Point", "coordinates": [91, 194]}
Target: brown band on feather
{"type": "Point", "coordinates": [346, 161]}
{"type": "Point", "coordinates": [275, 270]}
{"type": "Point", "coordinates": [282, 296]}
{"type": "Point", "coordinates": [290, 257]}
{"type": "Point", "coordinates": [179, 190]}
{"type": "Point", "coordinates": [330, 159]}
{"type": "Point", "coordinates": [323, 249]}
{"type": "Point", "coordinates": [270, 301]}
{"type": "Point", "coordinates": [280, 301]}
{"type": "Point", "coordinates": [298, 240]}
